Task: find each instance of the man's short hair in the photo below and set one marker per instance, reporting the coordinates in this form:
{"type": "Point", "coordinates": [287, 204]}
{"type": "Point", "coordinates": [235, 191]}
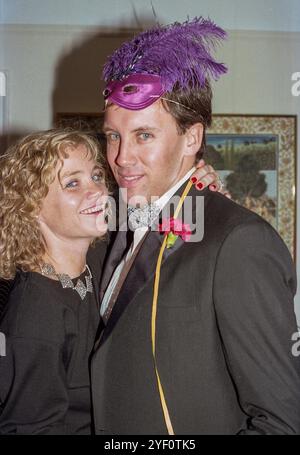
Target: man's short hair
{"type": "Point", "coordinates": [190, 106]}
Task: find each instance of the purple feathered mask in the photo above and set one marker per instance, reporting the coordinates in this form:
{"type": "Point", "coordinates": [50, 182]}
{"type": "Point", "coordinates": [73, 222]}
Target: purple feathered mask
{"type": "Point", "coordinates": [152, 63]}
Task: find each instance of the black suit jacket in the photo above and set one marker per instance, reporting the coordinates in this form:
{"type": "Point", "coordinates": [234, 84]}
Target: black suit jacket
{"type": "Point", "coordinates": [224, 325]}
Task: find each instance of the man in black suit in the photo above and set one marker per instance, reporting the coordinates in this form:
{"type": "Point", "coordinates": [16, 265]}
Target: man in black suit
{"type": "Point", "coordinates": [197, 326]}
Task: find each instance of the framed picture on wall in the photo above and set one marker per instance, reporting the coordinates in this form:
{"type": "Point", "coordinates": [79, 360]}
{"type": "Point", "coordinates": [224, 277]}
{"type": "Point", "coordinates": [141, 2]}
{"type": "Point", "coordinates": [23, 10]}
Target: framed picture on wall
{"type": "Point", "coordinates": [80, 120]}
{"type": "Point", "coordinates": [255, 156]}
{"type": "Point", "coordinates": [3, 111]}
{"type": "Point", "coordinates": [3, 96]}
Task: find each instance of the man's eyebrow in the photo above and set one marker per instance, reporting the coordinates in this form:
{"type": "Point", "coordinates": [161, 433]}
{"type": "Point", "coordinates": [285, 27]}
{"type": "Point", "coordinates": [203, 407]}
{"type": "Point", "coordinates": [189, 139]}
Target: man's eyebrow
{"type": "Point", "coordinates": [145, 128]}
{"type": "Point", "coordinates": [107, 128]}
{"type": "Point", "coordinates": [140, 128]}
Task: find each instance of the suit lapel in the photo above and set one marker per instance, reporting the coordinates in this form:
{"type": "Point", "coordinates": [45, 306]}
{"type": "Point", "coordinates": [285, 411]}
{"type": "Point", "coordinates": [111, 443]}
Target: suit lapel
{"type": "Point", "coordinates": [112, 260]}
{"type": "Point", "coordinates": [140, 273]}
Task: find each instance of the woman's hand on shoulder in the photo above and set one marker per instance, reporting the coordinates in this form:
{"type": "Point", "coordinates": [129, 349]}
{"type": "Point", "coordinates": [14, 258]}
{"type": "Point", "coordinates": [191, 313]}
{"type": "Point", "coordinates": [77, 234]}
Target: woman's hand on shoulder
{"type": "Point", "coordinates": [206, 176]}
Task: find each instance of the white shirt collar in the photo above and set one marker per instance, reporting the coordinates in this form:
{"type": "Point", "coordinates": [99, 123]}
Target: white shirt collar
{"type": "Point", "coordinates": [163, 200]}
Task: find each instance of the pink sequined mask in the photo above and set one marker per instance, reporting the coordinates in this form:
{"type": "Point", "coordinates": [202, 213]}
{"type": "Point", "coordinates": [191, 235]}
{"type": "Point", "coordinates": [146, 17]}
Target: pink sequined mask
{"type": "Point", "coordinates": [137, 91]}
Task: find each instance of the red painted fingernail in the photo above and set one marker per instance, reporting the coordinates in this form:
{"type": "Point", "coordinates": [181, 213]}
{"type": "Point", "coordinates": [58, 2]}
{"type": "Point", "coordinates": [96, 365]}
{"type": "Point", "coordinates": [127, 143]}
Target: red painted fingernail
{"type": "Point", "coordinates": [199, 186]}
{"type": "Point", "coordinates": [213, 187]}
{"type": "Point", "coordinates": [194, 179]}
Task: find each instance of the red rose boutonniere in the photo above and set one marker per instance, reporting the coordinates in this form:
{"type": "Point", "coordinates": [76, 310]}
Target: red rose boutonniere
{"type": "Point", "coordinates": [174, 228]}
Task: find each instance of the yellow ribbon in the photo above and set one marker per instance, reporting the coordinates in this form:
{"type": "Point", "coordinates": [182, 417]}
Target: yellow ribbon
{"type": "Point", "coordinates": [154, 313]}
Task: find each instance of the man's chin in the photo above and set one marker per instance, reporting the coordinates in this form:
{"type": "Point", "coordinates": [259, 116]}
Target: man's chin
{"type": "Point", "coordinates": [138, 201]}
{"type": "Point", "coordinates": [134, 198]}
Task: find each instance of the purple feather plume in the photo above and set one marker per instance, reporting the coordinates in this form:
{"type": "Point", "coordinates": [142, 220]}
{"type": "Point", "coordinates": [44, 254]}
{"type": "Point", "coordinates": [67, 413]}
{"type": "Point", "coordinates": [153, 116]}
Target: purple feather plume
{"type": "Point", "coordinates": [180, 53]}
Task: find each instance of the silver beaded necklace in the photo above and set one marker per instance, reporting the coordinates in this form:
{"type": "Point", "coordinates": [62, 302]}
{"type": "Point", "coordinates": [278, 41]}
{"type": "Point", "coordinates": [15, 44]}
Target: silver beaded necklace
{"type": "Point", "coordinates": [66, 281]}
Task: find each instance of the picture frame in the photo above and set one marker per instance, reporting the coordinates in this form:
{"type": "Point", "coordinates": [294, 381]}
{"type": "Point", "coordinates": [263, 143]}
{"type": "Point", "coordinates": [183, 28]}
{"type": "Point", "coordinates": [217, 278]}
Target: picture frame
{"type": "Point", "coordinates": [3, 111]}
{"type": "Point", "coordinates": [255, 156]}
{"type": "Point", "coordinates": [85, 121]}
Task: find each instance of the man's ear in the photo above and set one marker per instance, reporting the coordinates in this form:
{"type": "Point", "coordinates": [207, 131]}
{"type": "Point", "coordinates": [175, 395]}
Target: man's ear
{"type": "Point", "coordinates": [194, 136]}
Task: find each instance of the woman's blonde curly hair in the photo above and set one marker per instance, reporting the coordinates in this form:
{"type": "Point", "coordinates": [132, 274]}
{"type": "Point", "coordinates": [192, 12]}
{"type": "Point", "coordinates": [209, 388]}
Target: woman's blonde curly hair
{"type": "Point", "coordinates": [26, 171]}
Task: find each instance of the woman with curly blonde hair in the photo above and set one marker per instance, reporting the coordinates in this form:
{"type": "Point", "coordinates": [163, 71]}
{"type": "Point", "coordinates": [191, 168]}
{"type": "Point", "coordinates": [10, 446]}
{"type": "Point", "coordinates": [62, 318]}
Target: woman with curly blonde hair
{"type": "Point", "coordinates": [53, 206]}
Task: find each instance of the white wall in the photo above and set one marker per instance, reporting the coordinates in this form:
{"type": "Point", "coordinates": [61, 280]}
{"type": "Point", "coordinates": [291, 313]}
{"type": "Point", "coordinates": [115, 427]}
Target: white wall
{"type": "Point", "coordinates": [58, 67]}
{"type": "Point", "coordinates": [275, 15]}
